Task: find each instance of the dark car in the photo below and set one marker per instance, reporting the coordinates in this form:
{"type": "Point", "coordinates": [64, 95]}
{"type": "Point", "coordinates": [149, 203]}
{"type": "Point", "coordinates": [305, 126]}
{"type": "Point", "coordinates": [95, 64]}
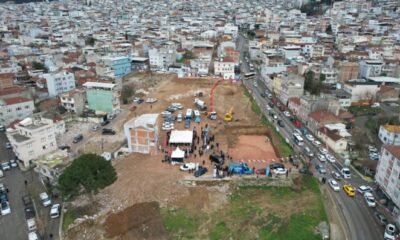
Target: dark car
{"type": "Point", "coordinates": [3, 196]}
{"type": "Point", "coordinates": [217, 159]}
{"type": "Point", "coordinates": [170, 109]}
{"type": "Point", "coordinates": [108, 131]}
{"type": "Point", "coordinates": [27, 201]}
{"type": "Point", "coordinates": [263, 95]}
{"type": "Point", "coordinates": [200, 171]}
{"type": "Point", "coordinates": [64, 147]}
{"type": "Point", "coordinates": [294, 160]}
{"type": "Point", "coordinates": [276, 165]}
{"type": "Point", "coordinates": [78, 138]}
{"type": "Point", "coordinates": [381, 218]}
{"type": "Point", "coordinates": [271, 104]}
{"type": "Point", "coordinates": [140, 101]}
{"type": "Point", "coordinates": [105, 122]}
{"type": "Point", "coordinates": [187, 123]}
{"type": "Point", "coordinates": [280, 123]}
{"type": "Point", "coordinates": [30, 212]}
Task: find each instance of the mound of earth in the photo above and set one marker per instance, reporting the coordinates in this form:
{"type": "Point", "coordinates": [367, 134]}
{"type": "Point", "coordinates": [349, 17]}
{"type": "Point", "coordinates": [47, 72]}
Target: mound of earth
{"type": "Point", "coordinates": [140, 221]}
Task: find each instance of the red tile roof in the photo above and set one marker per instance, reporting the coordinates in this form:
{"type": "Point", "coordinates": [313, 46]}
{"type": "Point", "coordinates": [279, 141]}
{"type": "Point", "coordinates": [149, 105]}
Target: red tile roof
{"type": "Point", "coordinates": [14, 100]}
{"type": "Point", "coordinates": [12, 90]}
{"type": "Point", "coordinates": [324, 116]}
{"type": "Point", "coordinates": [295, 100]}
{"type": "Point", "coordinates": [394, 150]}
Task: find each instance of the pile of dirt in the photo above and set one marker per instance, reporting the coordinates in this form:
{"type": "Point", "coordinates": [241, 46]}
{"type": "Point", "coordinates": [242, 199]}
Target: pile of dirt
{"type": "Point", "coordinates": [140, 221]}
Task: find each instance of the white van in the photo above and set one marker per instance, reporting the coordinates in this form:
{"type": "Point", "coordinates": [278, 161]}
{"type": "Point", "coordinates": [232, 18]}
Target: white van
{"type": "Point", "coordinates": [346, 173]}
{"type": "Point", "coordinates": [189, 114]}
{"type": "Point", "coordinates": [179, 117]}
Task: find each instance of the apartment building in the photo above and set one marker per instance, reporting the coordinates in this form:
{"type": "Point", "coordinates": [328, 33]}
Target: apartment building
{"type": "Point", "coordinates": [13, 108]}
{"type": "Point", "coordinates": [114, 66]}
{"type": "Point", "coordinates": [73, 101]}
{"type": "Point", "coordinates": [388, 179]}
{"type": "Point", "coordinates": [103, 98]}
{"type": "Point", "coordinates": [389, 134]}
{"type": "Point", "coordinates": [161, 58]}
{"type": "Point", "coordinates": [32, 138]}
{"type": "Point", "coordinates": [347, 71]}
{"type": "Point", "coordinates": [59, 82]}
{"type": "Point", "coordinates": [6, 80]}
{"type": "Point", "coordinates": [371, 68]}
{"type": "Point", "coordinates": [225, 68]}
{"type": "Point", "coordinates": [142, 133]}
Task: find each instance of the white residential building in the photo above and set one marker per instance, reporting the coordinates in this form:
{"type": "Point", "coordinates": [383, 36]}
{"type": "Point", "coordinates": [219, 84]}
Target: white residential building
{"type": "Point", "coordinates": [31, 139]}
{"type": "Point", "coordinates": [73, 101]}
{"type": "Point", "coordinates": [59, 82]}
{"type": "Point", "coordinates": [361, 91]}
{"type": "Point", "coordinates": [330, 75]}
{"type": "Point", "coordinates": [15, 108]}
{"type": "Point", "coordinates": [142, 133]}
{"type": "Point", "coordinates": [225, 68]}
{"type": "Point", "coordinates": [371, 68]}
{"type": "Point", "coordinates": [161, 58]}
{"type": "Point", "coordinates": [390, 134]}
{"type": "Point", "coordinates": [387, 177]}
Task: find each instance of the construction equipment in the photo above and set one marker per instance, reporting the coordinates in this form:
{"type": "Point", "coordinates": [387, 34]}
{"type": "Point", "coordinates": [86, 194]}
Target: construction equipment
{"type": "Point", "coordinates": [229, 115]}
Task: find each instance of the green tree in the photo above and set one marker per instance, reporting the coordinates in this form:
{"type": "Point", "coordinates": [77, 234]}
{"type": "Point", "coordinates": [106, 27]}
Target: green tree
{"type": "Point", "coordinates": [87, 174]}
{"type": "Point", "coordinates": [322, 77]}
{"type": "Point", "coordinates": [90, 41]}
{"type": "Point", "coordinates": [38, 65]}
{"type": "Point", "coordinates": [310, 84]}
{"type": "Point", "coordinates": [127, 93]}
{"type": "Point", "coordinates": [251, 34]}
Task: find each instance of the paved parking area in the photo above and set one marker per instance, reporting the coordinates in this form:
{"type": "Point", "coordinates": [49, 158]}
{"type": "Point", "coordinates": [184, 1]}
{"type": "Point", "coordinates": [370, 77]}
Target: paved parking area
{"type": "Point", "coordinates": [13, 226]}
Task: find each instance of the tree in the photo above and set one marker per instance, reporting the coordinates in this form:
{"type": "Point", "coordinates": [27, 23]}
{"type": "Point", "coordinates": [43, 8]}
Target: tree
{"type": "Point", "coordinates": [251, 34]}
{"type": "Point", "coordinates": [310, 84]}
{"type": "Point", "coordinates": [322, 77]}
{"type": "Point", "coordinates": [126, 93]}
{"type": "Point", "coordinates": [38, 65]}
{"type": "Point", "coordinates": [90, 41]}
{"type": "Point", "coordinates": [87, 174]}
{"type": "Point", "coordinates": [329, 29]}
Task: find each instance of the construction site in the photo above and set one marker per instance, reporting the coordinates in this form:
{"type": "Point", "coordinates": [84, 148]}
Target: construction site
{"type": "Point", "coordinates": [151, 196]}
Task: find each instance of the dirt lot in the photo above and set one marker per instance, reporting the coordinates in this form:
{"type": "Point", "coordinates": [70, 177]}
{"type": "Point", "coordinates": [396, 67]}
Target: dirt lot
{"type": "Point", "coordinates": [145, 179]}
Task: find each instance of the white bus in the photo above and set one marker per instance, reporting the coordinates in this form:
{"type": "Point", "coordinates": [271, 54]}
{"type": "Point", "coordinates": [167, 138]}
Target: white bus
{"type": "Point", "coordinates": [297, 139]}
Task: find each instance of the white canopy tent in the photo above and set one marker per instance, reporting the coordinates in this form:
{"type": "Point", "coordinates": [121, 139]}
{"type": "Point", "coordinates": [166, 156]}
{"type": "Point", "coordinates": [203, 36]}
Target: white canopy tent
{"type": "Point", "coordinates": [181, 137]}
{"type": "Point", "coordinates": [178, 154]}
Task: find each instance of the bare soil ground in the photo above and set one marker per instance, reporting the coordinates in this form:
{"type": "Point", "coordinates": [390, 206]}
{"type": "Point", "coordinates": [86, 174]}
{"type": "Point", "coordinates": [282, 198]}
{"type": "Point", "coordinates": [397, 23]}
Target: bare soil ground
{"type": "Point", "coordinates": [144, 179]}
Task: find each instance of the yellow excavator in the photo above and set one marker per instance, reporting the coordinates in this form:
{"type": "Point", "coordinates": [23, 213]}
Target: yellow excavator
{"type": "Point", "coordinates": [229, 115]}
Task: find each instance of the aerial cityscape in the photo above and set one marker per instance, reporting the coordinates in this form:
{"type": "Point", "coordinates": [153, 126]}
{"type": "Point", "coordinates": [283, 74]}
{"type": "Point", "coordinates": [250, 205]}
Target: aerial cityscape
{"type": "Point", "coordinates": [184, 119]}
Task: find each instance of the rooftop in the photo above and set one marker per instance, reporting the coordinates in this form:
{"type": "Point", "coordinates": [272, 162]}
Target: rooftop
{"type": "Point", "coordinates": [143, 120]}
{"type": "Point", "coordinates": [394, 150]}
{"type": "Point", "coordinates": [392, 128]}
{"type": "Point", "coordinates": [14, 100]}
{"type": "Point", "coordinates": [99, 85]}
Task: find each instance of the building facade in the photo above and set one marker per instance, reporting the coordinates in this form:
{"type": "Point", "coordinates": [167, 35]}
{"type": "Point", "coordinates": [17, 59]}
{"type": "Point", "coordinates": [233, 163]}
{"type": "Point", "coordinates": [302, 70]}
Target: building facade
{"type": "Point", "coordinates": [387, 177]}
{"type": "Point", "coordinates": [142, 133]}
{"type": "Point", "coordinates": [225, 68]}
{"type": "Point", "coordinates": [31, 139]}
{"type": "Point", "coordinates": [73, 101]}
{"type": "Point", "coordinates": [14, 108]}
{"type": "Point", "coordinates": [59, 82]}
{"type": "Point", "coordinates": [103, 98]}
{"type": "Point", "coordinates": [389, 134]}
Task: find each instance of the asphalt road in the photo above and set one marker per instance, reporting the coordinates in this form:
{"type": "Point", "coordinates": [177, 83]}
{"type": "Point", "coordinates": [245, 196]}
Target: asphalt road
{"type": "Point", "coordinates": [358, 217]}
{"type": "Point", "coordinates": [13, 226]}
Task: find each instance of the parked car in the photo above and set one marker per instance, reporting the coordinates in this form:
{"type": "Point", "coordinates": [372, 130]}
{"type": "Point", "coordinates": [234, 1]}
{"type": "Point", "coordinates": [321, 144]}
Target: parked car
{"type": "Point", "coordinates": [286, 113]}
{"type": "Point", "coordinates": [336, 175]}
{"type": "Point", "coordinates": [33, 236]}
{"type": "Point", "coordinates": [179, 118]}
{"type": "Point", "coordinates": [364, 189]}
{"type": "Point", "coordinates": [316, 143]}
{"type": "Point", "coordinates": [381, 218]}
{"type": "Point", "coordinates": [321, 158]}
{"type": "Point", "coordinates": [280, 123]}
{"type": "Point", "coordinates": [1, 173]}
{"type": "Point", "coordinates": [273, 166]}
{"type": "Point", "coordinates": [390, 232]}
{"type": "Point", "coordinates": [262, 95]}
{"type": "Point", "coordinates": [201, 171]}
{"type": "Point", "coordinates": [330, 158]}
{"type": "Point", "coordinates": [78, 138]}
{"type": "Point", "coordinates": [323, 151]}
{"type": "Point", "coordinates": [187, 123]}
{"type": "Point", "coordinates": [167, 126]}
{"type": "Point", "coordinates": [8, 145]}
{"type": "Point", "coordinates": [349, 190]}
{"type": "Point", "coordinates": [13, 163]}
{"type": "Point", "coordinates": [46, 201]}
{"type": "Point", "coordinates": [170, 109]}
{"type": "Point", "coordinates": [2, 187]}
{"type": "Point", "coordinates": [369, 199]}
{"type": "Point", "coordinates": [217, 159]}
{"type": "Point", "coordinates": [280, 171]}
{"type": "Point", "coordinates": [108, 131]}
{"type": "Point", "coordinates": [309, 137]}
{"type": "Point", "coordinates": [268, 108]}
{"type": "Point", "coordinates": [5, 166]}
{"type": "Point", "coordinates": [320, 168]}
{"type": "Point", "coordinates": [64, 147]}
{"type": "Point", "coordinates": [308, 152]}
{"type": "Point", "coordinates": [55, 211]}
{"type": "Point", "coordinates": [5, 208]}
{"type": "Point", "coordinates": [95, 127]}
{"type": "Point", "coordinates": [3, 196]}
{"type": "Point", "coordinates": [189, 166]}
{"type": "Point", "coordinates": [334, 185]}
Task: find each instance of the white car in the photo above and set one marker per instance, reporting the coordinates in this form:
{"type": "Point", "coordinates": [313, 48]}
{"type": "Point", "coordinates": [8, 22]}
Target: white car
{"type": "Point", "coordinates": [310, 137]}
{"type": "Point", "coordinates": [32, 236]}
{"type": "Point", "coordinates": [390, 232]}
{"type": "Point", "coordinates": [286, 113]}
{"type": "Point", "coordinates": [1, 173]}
{"type": "Point", "coordinates": [46, 201]}
{"type": "Point", "coordinates": [189, 166]}
{"type": "Point", "coordinates": [55, 211]}
{"type": "Point", "coordinates": [324, 151]}
{"type": "Point", "coordinates": [369, 198]}
{"type": "Point", "coordinates": [334, 185]}
{"type": "Point", "coordinates": [167, 127]}
{"type": "Point", "coordinates": [5, 208]}
{"type": "Point", "coordinates": [364, 189]}
{"type": "Point", "coordinates": [321, 158]}
{"type": "Point", "coordinates": [166, 113]}
{"type": "Point", "coordinates": [275, 117]}
{"type": "Point", "coordinates": [95, 128]}
{"type": "Point", "coordinates": [330, 158]}
{"type": "Point", "coordinates": [316, 143]}
{"type": "Point", "coordinates": [177, 106]}
{"type": "Point", "coordinates": [280, 171]}
{"type": "Point", "coordinates": [31, 224]}
{"type": "Point", "coordinates": [268, 108]}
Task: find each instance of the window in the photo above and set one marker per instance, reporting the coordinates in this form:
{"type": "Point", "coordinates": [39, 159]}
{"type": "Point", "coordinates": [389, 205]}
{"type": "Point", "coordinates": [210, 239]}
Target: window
{"type": "Point", "coordinates": [29, 145]}
{"type": "Point", "coordinates": [27, 107]}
